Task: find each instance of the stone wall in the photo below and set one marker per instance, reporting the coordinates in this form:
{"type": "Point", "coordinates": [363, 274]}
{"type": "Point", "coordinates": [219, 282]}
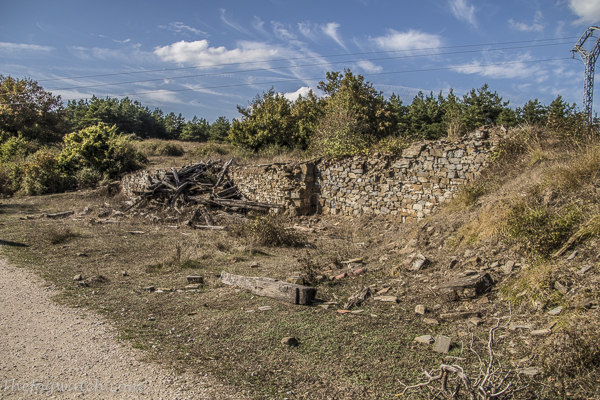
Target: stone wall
{"type": "Point", "coordinates": [403, 187]}
{"type": "Point", "coordinates": [139, 181]}
{"type": "Point", "coordinates": [407, 186]}
{"type": "Point", "coordinates": [292, 185]}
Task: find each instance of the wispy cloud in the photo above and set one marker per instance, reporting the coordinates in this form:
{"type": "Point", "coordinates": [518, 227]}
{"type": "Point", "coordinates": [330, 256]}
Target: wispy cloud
{"type": "Point", "coordinates": [369, 67]}
{"type": "Point", "coordinates": [523, 27]}
{"type": "Point", "coordinates": [331, 30]}
{"type": "Point", "coordinates": [198, 53]}
{"type": "Point", "coordinates": [463, 11]}
{"type": "Point", "coordinates": [232, 24]}
{"type": "Point", "coordinates": [180, 27]}
{"type": "Point", "coordinates": [19, 49]}
{"type": "Point", "coordinates": [588, 11]}
{"type": "Point", "coordinates": [407, 41]}
{"type": "Point", "coordinates": [259, 24]}
{"type": "Point", "coordinates": [129, 54]}
{"type": "Point", "coordinates": [282, 32]}
{"type": "Point", "coordinates": [307, 30]}
{"type": "Point", "coordinates": [516, 68]}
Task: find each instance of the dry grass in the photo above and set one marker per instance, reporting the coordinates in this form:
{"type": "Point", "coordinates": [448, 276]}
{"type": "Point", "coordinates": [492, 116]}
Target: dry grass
{"type": "Point", "coordinates": [340, 355]}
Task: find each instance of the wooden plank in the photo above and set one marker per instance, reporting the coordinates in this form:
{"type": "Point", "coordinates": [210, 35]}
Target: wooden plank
{"type": "Point", "coordinates": [175, 176]}
{"type": "Point", "coordinates": [212, 227]}
{"type": "Point", "coordinates": [178, 192]}
{"type": "Point", "coordinates": [60, 214]}
{"type": "Point", "coordinates": [227, 192]}
{"type": "Point", "coordinates": [222, 174]}
{"type": "Point", "coordinates": [288, 292]}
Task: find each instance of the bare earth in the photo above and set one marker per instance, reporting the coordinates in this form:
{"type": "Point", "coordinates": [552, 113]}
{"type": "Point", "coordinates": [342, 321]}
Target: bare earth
{"type": "Point", "coordinates": [58, 348]}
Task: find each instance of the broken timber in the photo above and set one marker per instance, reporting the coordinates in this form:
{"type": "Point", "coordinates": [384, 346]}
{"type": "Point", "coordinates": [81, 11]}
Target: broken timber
{"type": "Point", "coordinates": [289, 292]}
{"type": "Point", "coordinates": [200, 184]}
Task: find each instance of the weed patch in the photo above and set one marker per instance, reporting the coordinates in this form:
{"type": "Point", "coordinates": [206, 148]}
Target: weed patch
{"type": "Point", "coordinates": [269, 231]}
{"type": "Point", "coordinates": [541, 229]}
{"type": "Point", "coordinates": [60, 235]}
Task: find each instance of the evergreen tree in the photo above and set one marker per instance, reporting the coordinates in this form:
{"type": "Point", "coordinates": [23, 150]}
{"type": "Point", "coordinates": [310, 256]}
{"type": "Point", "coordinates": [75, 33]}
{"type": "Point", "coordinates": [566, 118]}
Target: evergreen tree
{"type": "Point", "coordinates": [196, 130]}
{"type": "Point", "coordinates": [219, 130]}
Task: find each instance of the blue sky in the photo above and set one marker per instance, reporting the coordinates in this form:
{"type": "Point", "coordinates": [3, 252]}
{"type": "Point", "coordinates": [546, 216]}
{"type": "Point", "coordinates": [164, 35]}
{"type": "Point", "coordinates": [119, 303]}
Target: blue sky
{"type": "Point", "coordinates": [205, 57]}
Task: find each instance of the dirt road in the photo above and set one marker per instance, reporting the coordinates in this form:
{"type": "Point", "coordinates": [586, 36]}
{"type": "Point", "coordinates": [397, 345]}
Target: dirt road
{"type": "Point", "coordinates": [52, 351]}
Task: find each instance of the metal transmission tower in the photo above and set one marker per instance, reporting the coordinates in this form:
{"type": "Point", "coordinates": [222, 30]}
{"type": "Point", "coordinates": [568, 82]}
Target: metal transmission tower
{"type": "Point", "coordinates": [589, 58]}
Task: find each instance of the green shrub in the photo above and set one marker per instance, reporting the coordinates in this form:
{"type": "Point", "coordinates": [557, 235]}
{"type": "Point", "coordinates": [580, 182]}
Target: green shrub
{"type": "Point", "coordinates": [161, 148]}
{"type": "Point", "coordinates": [212, 149]}
{"type": "Point", "coordinates": [340, 134]}
{"type": "Point", "coordinates": [102, 149]}
{"type": "Point", "coordinates": [13, 147]}
{"type": "Point", "coordinates": [390, 145]}
{"type": "Point", "coordinates": [540, 228]}
{"type": "Point", "coordinates": [41, 174]}
{"type": "Point", "coordinates": [87, 178]}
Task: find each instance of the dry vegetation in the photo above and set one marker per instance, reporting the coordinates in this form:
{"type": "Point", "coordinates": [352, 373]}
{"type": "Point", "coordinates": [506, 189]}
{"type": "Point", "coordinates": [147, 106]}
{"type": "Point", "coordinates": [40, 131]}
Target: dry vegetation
{"type": "Point", "coordinates": [540, 194]}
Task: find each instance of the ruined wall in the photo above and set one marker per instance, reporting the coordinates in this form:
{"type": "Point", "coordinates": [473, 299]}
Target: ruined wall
{"type": "Point", "coordinates": [292, 185]}
{"type": "Point", "coordinates": [407, 186]}
{"type": "Point", "coordinates": [139, 181]}
{"type": "Point", "coordinates": [404, 187]}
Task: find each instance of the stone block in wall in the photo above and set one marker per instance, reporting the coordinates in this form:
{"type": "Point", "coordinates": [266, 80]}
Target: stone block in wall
{"type": "Point", "coordinates": [413, 151]}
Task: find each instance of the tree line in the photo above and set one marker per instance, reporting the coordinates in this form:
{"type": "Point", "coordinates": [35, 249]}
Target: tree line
{"type": "Point", "coordinates": [352, 115]}
{"type": "Point", "coordinates": [28, 111]}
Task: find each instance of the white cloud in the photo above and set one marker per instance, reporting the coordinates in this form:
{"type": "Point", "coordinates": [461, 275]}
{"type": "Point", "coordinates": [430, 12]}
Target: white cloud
{"type": "Point", "coordinates": [587, 10]}
{"type": "Point", "coordinates": [331, 30]}
{"type": "Point", "coordinates": [463, 11]}
{"type": "Point", "coordinates": [180, 27]}
{"type": "Point", "coordinates": [199, 54]}
{"type": "Point", "coordinates": [15, 49]}
{"type": "Point", "coordinates": [369, 67]}
{"type": "Point", "coordinates": [407, 41]}
{"type": "Point", "coordinates": [293, 96]}
{"type": "Point", "coordinates": [519, 67]}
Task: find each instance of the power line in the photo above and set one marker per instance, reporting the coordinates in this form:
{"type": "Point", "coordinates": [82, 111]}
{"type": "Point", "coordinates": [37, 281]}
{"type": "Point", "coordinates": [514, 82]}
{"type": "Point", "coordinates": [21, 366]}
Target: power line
{"type": "Point", "coordinates": [318, 79]}
{"type": "Point", "coordinates": [303, 58]}
{"type": "Point", "coordinates": [302, 66]}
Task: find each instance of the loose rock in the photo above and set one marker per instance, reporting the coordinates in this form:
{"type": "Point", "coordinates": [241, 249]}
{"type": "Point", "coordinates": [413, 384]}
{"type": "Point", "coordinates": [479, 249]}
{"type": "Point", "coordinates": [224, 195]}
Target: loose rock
{"type": "Point", "coordinates": [442, 344]}
{"type": "Point", "coordinates": [290, 341]}
{"type": "Point", "coordinates": [427, 339]}
{"type": "Point", "coordinates": [420, 309]}
{"type": "Point", "coordinates": [555, 311]}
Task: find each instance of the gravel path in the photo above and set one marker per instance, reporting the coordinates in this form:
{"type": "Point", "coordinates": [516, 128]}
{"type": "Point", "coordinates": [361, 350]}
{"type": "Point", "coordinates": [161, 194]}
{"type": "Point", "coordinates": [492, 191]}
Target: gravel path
{"type": "Point", "coordinates": [56, 348]}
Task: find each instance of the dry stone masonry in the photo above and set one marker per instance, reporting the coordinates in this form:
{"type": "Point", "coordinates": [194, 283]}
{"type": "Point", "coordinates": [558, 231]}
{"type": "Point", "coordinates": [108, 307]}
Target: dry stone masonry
{"type": "Point", "coordinates": [404, 187]}
{"type": "Point", "coordinates": [407, 186]}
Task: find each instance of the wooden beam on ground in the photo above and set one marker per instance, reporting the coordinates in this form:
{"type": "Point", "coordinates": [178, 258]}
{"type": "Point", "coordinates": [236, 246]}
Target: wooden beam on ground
{"type": "Point", "coordinates": [60, 214]}
{"type": "Point", "coordinates": [288, 292]}
{"type": "Point", "coordinates": [211, 227]}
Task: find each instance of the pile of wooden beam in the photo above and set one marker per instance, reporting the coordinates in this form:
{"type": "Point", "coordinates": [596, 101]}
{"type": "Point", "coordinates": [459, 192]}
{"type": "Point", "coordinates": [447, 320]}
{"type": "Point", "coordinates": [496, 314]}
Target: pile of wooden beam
{"type": "Point", "coordinates": [206, 184]}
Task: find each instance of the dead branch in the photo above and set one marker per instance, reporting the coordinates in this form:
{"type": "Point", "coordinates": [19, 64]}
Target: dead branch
{"type": "Point", "coordinates": [491, 383]}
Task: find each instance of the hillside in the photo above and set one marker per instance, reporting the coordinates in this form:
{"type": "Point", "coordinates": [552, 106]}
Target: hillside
{"type": "Point", "coordinates": [515, 253]}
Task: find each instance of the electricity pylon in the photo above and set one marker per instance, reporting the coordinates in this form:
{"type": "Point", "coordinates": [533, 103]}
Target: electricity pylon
{"type": "Point", "coordinates": [589, 58]}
